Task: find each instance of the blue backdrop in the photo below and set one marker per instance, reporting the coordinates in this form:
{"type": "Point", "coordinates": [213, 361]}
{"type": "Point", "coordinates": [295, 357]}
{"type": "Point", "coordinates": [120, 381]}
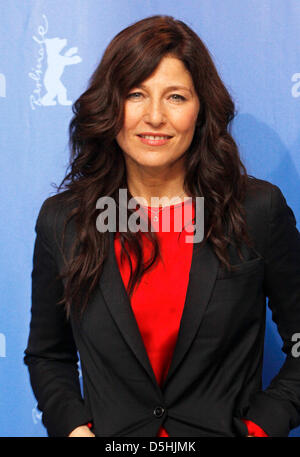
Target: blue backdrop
{"type": "Point", "coordinates": [48, 51]}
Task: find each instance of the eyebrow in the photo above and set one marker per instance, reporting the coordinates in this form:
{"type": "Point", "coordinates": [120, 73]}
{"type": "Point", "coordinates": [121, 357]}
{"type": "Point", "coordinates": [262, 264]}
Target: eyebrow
{"type": "Point", "coordinates": [175, 87]}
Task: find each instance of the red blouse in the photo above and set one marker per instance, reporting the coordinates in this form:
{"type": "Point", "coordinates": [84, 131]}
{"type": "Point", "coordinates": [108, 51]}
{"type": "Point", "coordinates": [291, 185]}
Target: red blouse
{"type": "Point", "coordinates": [158, 301]}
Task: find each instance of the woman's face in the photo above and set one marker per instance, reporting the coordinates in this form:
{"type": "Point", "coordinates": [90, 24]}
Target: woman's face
{"type": "Point", "coordinates": [160, 117]}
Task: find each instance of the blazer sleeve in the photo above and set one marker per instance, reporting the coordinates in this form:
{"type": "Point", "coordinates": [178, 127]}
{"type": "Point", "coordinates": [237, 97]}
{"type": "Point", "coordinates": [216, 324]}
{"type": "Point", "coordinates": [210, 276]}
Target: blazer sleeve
{"type": "Point", "coordinates": [277, 409]}
{"type": "Point", "coordinates": [51, 354]}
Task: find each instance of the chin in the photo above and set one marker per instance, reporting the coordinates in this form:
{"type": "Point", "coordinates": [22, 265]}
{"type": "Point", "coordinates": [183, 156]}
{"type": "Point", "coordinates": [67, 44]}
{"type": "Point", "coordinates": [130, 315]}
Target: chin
{"type": "Point", "coordinates": [153, 165]}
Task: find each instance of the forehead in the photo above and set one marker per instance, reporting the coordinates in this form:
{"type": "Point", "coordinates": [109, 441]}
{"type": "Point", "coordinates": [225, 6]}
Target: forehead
{"type": "Point", "coordinates": [172, 71]}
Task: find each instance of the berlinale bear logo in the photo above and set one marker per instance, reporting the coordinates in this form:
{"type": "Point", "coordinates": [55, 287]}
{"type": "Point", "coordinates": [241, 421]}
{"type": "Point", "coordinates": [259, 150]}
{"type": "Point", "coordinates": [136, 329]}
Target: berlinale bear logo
{"type": "Point", "coordinates": [56, 64]}
{"type": "Point", "coordinates": [50, 79]}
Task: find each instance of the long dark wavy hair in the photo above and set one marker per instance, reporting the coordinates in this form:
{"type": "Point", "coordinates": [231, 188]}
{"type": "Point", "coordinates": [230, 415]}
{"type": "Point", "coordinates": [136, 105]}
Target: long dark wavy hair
{"type": "Point", "coordinates": [213, 168]}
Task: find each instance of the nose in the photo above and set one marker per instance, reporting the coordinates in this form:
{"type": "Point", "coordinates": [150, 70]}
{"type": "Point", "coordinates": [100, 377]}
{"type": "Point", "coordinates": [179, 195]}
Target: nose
{"type": "Point", "coordinates": [155, 113]}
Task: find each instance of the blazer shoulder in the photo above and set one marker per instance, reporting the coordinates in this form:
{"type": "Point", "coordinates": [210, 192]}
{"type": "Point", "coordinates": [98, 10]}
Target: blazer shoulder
{"type": "Point", "coordinates": [53, 213]}
{"type": "Point", "coordinates": [258, 203]}
{"type": "Point", "coordinates": [258, 189]}
{"type": "Point", "coordinates": [260, 196]}
{"type": "Point", "coordinates": [263, 195]}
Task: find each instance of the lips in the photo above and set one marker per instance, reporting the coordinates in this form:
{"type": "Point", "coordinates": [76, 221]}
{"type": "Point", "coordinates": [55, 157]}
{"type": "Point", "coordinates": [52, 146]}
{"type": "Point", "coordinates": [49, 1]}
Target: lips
{"type": "Point", "coordinates": [153, 139]}
{"type": "Point", "coordinates": [155, 136]}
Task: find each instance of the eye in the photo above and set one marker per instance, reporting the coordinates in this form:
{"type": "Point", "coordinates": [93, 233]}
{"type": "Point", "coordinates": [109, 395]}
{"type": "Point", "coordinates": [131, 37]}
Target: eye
{"type": "Point", "coordinates": [134, 95]}
{"type": "Point", "coordinates": [178, 98]}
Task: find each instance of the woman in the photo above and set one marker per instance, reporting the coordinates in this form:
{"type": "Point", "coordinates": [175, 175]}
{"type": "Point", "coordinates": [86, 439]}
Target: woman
{"type": "Point", "coordinates": [170, 333]}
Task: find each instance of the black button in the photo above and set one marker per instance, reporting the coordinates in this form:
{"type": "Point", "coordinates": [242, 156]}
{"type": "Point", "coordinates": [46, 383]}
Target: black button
{"type": "Point", "coordinates": [158, 411]}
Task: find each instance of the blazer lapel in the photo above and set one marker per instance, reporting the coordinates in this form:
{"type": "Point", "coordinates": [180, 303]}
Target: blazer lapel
{"type": "Point", "coordinates": [202, 277]}
{"type": "Point", "coordinates": [117, 300]}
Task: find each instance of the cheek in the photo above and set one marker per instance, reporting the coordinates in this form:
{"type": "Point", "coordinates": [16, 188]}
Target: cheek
{"type": "Point", "coordinates": [129, 124]}
{"type": "Point", "coordinates": [131, 118]}
{"type": "Point", "coordinates": [186, 121]}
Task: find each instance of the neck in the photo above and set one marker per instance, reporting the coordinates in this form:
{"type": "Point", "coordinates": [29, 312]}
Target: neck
{"type": "Point", "coordinates": [154, 183]}
{"type": "Point", "coordinates": [165, 193]}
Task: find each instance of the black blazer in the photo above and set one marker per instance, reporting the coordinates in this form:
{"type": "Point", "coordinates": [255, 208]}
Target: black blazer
{"type": "Point", "coordinates": [215, 377]}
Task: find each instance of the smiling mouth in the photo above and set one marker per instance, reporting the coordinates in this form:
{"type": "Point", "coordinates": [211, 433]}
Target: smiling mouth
{"type": "Point", "coordinates": [155, 137]}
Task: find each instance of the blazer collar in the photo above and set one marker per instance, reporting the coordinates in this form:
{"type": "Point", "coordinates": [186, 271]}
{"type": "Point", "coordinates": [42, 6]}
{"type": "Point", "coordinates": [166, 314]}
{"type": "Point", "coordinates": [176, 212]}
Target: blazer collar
{"type": "Point", "coordinates": [202, 277]}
